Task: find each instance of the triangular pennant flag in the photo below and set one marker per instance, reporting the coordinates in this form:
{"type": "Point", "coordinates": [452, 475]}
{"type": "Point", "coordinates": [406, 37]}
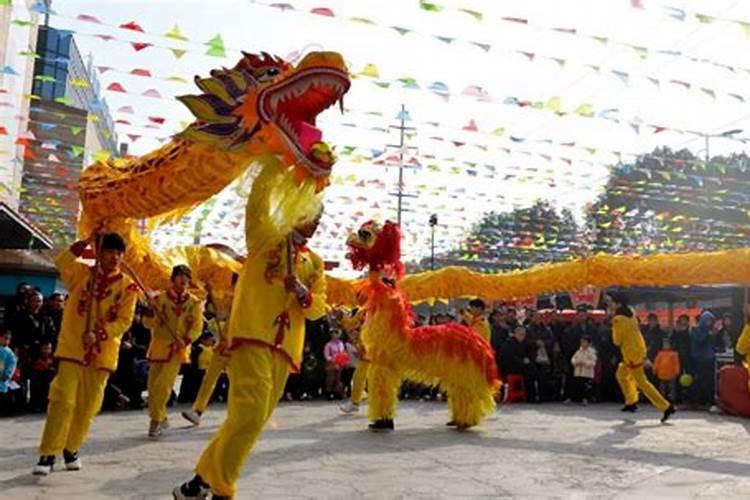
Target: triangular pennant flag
{"type": "Point", "coordinates": [429, 6]}
{"type": "Point", "coordinates": [216, 47]}
{"type": "Point", "coordinates": [132, 25]}
{"type": "Point", "coordinates": [102, 156]}
{"type": "Point", "coordinates": [115, 87]}
{"type": "Point", "coordinates": [175, 34]}
{"type": "Point", "coordinates": [178, 53]}
{"type": "Point", "coordinates": [76, 130]}
{"type": "Point", "coordinates": [139, 46]}
{"type": "Point", "coordinates": [76, 150]}
{"type": "Point", "coordinates": [400, 31]}
{"type": "Point", "coordinates": [370, 70]}
{"type": "Point", "coordinates": [323, 11]}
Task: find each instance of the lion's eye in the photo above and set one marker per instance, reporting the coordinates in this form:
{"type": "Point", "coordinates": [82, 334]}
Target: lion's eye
{"type": "Point", "coordinates": [268, 74]}
{"type": "Point", "coordinates": [364, 234]}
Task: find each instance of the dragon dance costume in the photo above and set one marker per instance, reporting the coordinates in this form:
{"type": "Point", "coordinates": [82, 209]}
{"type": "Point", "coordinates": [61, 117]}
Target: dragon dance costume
{"type": "Point", "coordinates": [175, 321]}
{"type": "Point", "coordinates": [108, 303]}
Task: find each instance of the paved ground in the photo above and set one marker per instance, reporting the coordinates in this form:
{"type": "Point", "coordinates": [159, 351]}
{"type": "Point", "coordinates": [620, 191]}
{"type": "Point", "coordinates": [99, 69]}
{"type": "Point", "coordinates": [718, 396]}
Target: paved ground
{"type": "Point", "coordinates": [308, 451]}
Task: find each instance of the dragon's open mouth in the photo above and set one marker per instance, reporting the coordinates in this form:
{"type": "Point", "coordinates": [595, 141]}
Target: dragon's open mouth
{"type": "Point", "coordinates": [294, 105]}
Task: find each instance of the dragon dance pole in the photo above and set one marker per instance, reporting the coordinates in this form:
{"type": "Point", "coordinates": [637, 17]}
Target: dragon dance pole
{"type": "Point", "coordinates": [151, 301]}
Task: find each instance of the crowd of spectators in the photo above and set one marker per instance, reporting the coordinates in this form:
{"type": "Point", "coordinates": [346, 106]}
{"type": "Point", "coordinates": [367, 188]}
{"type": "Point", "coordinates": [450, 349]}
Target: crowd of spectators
{"type": "Point", "coordinates": [556, 357]}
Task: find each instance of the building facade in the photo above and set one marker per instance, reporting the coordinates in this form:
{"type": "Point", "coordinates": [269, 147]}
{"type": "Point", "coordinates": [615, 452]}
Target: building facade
{"type": "Point", "coordinates": [68, 125]}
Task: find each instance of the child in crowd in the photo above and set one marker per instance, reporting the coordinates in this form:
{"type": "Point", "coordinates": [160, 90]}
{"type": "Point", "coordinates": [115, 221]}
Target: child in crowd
{"type": "Point", "coordinates": [311, 374]}
{"type": "Point", "coordinates": [42, 373]}
{"type": "Point", "coordinates": [584, 362]}
{"type": "Point", "coordinates": [667, 368]}
{"type": "Point", "coordinates": [475, 319]}
{"type": "Point", "coordinates": [333, 387]}
{"type": "Point", "coordinates": [8, 362]}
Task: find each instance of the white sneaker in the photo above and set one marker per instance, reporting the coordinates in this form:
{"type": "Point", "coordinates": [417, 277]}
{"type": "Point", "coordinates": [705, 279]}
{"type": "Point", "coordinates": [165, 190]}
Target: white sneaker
{"type": "Point", "coordinates": [154, 430]}
{"type": "Point", "coordinates": [177, 494]}
{"type": "Point", "coordinates": [192, 416]}
{"type": "Point", "coordinates": [164, 425]}
{"type": "Point", "coordinates": [72, 460]}
{"type": "Point", "coordinates": [349, 408]}
{"type": "Point", "coordinates": [74, 465]}
{"type": "Point", "coordinates": [42, 470]}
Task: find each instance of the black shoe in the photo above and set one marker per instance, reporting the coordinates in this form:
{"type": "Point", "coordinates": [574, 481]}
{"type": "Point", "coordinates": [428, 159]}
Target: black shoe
{"type": "Point", "coordinates": [382, 425]}
{"type": "Point", "coordinates": [668, 413]}
{"type": "Point", "coordinates": [196, 488]}
{"type": "Point", "coordinates": [630, 408]}
{"type": "Point", "coordinates": [452, 423]}
{"type": "Point", "coordinates": [72, 461]}
{"type": "Point", "coordinates": [219, 497]}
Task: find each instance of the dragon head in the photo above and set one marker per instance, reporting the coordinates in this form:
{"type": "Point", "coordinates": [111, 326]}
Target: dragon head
{"type": "Point", "coordinates": [378, 247]}
{"type": "Point", "coordinates": [270, 106]}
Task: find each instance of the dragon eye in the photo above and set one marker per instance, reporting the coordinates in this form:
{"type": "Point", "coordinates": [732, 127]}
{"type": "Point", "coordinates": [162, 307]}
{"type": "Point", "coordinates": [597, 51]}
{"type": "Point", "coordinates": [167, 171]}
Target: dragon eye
{"type": "Point", "coordinates": [364, 234]}
{"type": "Point", "coordinates": [268, 74]}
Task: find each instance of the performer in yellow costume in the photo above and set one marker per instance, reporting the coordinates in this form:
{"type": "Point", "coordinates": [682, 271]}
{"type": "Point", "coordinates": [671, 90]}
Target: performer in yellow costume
{"type": "Point", "coordinates": [743, 343]}
{"type": "Point", "coordinates": [626, 335]}
{"type": "Point", "coordinates": [352, 325]}
{"type": "Point", "coordinates": [175, 320]}
{"type": "Point", "coordinates": [220, 307]}
{"type": "Point", "coordinates": [98, 312]}
{"type": "Point", "coordinates": [277, 290]}
{"type": "Point", "coordinates": [476, 320]}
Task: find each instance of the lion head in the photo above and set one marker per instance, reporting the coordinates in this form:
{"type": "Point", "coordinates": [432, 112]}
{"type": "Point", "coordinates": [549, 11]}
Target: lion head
{"type": "Point", "coordinates": [377, 247]}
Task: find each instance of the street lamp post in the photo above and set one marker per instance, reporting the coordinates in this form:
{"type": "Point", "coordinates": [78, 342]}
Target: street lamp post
{"type": "Point", "coordinates": [433, 223]}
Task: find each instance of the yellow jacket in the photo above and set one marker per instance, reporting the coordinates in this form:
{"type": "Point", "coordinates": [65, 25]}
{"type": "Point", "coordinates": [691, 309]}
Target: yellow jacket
{"type": "Point", "coordinates": [261, 299]}
{"type": "Point", "coordinates": [175, 316]}
{"type": "Point", "coordinates": [743, 343]}
{"type": "Point", "coordinates": [479, 324]}
{"type": "Point", "coordinates": [114, 301]}
{"type": "Point", "coordinates": [626, 334]}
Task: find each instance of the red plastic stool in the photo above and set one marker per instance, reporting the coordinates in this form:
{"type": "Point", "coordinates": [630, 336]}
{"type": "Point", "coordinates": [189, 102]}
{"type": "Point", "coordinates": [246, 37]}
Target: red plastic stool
{"type": "Point", "coordinates": [515, 389]}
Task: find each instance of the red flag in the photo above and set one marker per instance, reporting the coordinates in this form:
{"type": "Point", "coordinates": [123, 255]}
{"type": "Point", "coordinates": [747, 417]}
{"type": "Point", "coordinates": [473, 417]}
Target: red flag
{"type": "Point", "coordinates": [132, 25]}
{"type": "Point", "coordinates": [323, 11]}
{"type": "Point", "coordinates": [115, 87]}
{"type": "Point", "coordinates": [140, 72]}
{"type": "Point", "coordinates": [138, 46]}
{"type": "Point", "coordinates": [3, 131]}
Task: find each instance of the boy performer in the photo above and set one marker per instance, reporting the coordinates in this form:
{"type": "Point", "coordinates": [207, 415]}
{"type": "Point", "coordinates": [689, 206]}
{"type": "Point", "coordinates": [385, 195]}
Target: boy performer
{"type": "Point", "coordinates": [175, 320]}
{"type": "Point", "coordinates": [98, 312]}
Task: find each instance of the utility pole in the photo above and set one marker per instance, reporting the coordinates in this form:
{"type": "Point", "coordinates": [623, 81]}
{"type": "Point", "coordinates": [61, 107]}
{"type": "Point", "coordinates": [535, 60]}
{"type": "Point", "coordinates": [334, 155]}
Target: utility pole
{"type": "Point", "coordinates": [402, 128]}
{"type": "Point", "coordinates": [433, 223]}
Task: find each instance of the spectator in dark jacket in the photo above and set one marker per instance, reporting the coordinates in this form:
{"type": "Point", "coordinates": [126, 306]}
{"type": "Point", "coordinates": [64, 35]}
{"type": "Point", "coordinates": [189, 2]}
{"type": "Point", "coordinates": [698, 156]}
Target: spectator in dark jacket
{"type": "Point", "coordinates": [517, 358]}
{"type": "Point", "coordinates": [654, 336]}
{"type": "Point", "coordinates": [703, 358]}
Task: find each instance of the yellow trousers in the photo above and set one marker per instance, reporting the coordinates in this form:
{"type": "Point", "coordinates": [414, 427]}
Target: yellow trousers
{"type": "Point", "coordinates": [359, 380]}
{"type": "Point", "coordinates": [257, 376]}
{"type": "Point", "coordinates": [75, 397]}
{"type": "Point", "coordinates": [161, 377]}
{"type": "Point", "coordinates": [633, 379]}
{"type": "Point", "coordinates": [217, 365]}
{"type": "Point", "coordinates": [383, 383]}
